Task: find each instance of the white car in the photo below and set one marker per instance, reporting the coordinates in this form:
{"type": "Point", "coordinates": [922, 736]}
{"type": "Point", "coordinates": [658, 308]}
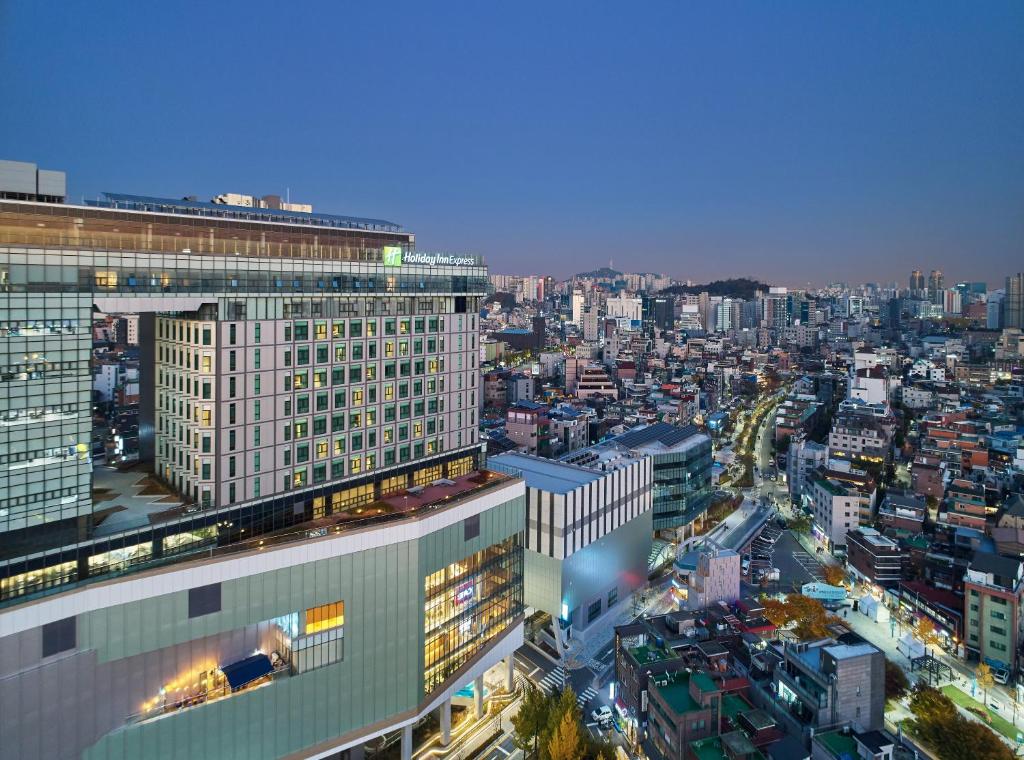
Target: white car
{"type": "Point", "coordinates": [602, 715]}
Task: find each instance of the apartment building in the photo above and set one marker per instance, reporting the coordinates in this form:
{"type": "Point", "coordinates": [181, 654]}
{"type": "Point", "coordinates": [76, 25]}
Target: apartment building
{"type": "Point", "coordinates": [827, 683]}
{"type": "Point", "coordinates": [992, 618]}
{"type": "Point", "coordinates": [839, 503]}
{"type": "Point", "coordinates": [874, 558]}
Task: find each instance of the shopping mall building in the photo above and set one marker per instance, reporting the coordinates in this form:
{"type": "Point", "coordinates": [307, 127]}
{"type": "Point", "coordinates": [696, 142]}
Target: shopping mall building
{"type": "Point", "coordinates": [337, 563]}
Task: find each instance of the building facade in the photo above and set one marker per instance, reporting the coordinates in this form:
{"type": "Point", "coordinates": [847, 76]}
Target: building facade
{"type": "Point", "coordinates": [308, 404]}
{"type": "Point", "coordinates": [588, 534]}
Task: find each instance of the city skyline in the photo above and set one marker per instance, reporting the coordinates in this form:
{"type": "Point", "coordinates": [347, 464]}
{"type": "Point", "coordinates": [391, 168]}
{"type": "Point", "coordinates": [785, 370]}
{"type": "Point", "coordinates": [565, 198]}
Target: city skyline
{"type": "Point", "coordinates": [809, 145]}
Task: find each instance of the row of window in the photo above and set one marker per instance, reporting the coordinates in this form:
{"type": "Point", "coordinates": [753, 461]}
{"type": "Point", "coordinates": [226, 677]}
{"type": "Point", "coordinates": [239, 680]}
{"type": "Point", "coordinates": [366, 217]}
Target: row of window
{"type": "Point", "coordinates": [202, 334]}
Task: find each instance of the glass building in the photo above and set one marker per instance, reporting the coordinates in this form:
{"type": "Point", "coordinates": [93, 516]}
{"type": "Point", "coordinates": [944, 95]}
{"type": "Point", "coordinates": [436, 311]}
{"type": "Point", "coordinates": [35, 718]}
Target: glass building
{"type": "Point", "coordinates": [682, 470]}
{"type": "Point", "coordinates": [337, 561]}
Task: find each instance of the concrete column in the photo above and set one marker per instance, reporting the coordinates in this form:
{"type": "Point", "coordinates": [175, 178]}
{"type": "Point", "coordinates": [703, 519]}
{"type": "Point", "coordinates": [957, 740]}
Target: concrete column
{"type": "Point", "coordinates": [407, 742]}
{"type": "Point", "coordinates": [478, 696]}
{"type": "Point", "coordinates": [510, 680]}
{"type": "Point", "coordinates": [446, 722]}
{"type": "Point", "coordinates": [147, 387]}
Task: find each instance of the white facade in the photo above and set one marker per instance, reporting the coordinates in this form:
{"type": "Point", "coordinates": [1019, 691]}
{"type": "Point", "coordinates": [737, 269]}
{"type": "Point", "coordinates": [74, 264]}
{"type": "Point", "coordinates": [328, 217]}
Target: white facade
{"type": "Point", "coordinates": [624, 307]}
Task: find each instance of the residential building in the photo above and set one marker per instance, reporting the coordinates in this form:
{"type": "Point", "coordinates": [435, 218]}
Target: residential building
{"type": "Point", "coordinates": [1013, 301]}
{"type": "Point", "coordinates": [804, 458]}
{"type": "Point", "coordinates": [588, 534]}
{"type": "Point", "coordinates": [716, 578]}
{"type": "Point", "coordinates": [903, 511]}
{"type": "Point", "coordinates": [992, 596]}
{"type": "Point", "coordinates": [528, 425]}
{"type": "Point", "coordinates": [827, 683]}
{"type": "Point", "coordinates": [593, 382]}
{"type": "Point", "coordinates": [966, 505]}
{"type": "Point", "coordinates": [926, 477]}
{"type": "Point", "coordinates": [625, 307]}
{"type": "Point", "coordinates": [873, 558]}
{"type": "Point", "coordinates": [861, 439]}
{"type": "Point", "coordinates": [847, 743]}
{"type": "Point", "coordinates": [839, 502]}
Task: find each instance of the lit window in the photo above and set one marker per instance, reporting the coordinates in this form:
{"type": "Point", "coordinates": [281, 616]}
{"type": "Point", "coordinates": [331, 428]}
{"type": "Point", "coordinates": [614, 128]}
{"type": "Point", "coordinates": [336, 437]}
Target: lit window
{"type": "Point", "coordinates": [325, 616]}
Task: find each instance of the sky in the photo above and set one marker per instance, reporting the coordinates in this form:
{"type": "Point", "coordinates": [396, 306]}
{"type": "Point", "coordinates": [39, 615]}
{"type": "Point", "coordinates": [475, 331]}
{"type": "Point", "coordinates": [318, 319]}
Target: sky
{"type": "Point", "coordinates": [797, 142]}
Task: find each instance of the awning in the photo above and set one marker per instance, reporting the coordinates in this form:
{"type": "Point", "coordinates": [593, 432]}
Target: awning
{"type": "Point", "coordinates": [245, 671]}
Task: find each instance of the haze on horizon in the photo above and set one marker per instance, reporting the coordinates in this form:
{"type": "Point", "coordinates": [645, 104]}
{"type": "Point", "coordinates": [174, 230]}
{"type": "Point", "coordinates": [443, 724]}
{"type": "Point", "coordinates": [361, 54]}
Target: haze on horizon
{"type": "Point", "coordinates": [803, 143]}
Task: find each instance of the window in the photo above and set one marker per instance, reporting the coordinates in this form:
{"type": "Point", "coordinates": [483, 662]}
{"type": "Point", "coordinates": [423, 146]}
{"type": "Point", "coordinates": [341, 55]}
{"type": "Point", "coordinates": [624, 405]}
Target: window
{"type": "Point", "coordinates": [593, 611]}
{"type": "Point", "coordinates": [203, 600]}
{"type": "Point", "coordinates": [324, 617]}
{"type": "Point", "coordinates": [471, 527]}
{"type": "Point", "coordinates": [59, 636]}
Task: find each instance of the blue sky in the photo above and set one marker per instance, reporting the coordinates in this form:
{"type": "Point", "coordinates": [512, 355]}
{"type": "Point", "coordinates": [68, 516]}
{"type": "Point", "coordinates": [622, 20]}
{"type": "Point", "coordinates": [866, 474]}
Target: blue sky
{"type": "Point", "coordinates": [797, 141]}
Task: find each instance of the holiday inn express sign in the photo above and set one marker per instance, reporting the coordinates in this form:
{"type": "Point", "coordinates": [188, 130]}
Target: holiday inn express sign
{"type": "Point", "coordinates": [395, 257]}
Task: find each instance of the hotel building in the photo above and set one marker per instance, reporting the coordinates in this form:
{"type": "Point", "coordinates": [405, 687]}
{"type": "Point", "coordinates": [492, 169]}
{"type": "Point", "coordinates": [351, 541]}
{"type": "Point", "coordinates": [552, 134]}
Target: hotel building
{"type": "Point", "coordinates": [337, 561]}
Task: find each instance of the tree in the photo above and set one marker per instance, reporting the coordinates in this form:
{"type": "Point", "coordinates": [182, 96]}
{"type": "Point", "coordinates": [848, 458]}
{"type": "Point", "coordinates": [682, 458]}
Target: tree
{"type": "Point", "coordinates": [834, 575]}
{"type": "Point", "coordinates": [950, 735]}
{"type": "Point", "coordinates": [925, 632]}
{"type": "Point", "coordinates": [531, 720]}
{"type": "Point", "coordinates": [896, 683]}
{"type": "Point", "coordinates": [565, 743]}
{"type": "Point", "coordinates": [983, 675]}
{"type": "Point", "coordinates": [810, 617]}
{"type": "Point", "coordinates": [800, 524]}
{"type": "Point", "coordinates": [775, 611]}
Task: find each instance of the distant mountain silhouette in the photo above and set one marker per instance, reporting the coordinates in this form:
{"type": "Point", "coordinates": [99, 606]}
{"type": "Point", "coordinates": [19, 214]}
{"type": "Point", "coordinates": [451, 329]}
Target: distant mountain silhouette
{"type": "Point", "coordinates": [737, 287]}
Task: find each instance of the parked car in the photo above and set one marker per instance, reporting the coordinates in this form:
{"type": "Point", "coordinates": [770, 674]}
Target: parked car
{"type": "Point", "coordinates": [602, 715]}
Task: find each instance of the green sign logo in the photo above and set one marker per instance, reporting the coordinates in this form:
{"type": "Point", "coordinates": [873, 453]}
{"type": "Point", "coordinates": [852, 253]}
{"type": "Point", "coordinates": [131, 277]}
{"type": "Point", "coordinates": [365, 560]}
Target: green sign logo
{"type": "Point", "coordinates": [392, 256]}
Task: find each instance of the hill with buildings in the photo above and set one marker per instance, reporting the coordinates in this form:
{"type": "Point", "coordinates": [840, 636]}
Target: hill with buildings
{"type": "Point", "coordinates": [737, 287]}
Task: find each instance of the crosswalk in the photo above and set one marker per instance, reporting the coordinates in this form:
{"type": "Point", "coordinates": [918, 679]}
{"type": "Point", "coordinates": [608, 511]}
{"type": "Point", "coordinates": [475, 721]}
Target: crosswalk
{"type": "Point", "coordinates": [588, 694]}
{"type": "Point", "coordinates": [552, 683]}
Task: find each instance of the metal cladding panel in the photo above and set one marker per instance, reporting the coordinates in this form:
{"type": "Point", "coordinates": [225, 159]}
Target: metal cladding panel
{"type": "Point", "coordinates": [52, 183]}
{"type": "Point", "coordinates": [17, 177]}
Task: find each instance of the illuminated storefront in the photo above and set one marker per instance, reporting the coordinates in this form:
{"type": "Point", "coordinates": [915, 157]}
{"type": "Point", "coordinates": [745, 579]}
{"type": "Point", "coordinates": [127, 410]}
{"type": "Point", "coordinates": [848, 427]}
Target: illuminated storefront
{"type": "Point", "coordinates": [468, 603]}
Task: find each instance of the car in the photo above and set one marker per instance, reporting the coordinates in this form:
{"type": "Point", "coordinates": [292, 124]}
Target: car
{"type": "Point", "coordinates": [602, 715]}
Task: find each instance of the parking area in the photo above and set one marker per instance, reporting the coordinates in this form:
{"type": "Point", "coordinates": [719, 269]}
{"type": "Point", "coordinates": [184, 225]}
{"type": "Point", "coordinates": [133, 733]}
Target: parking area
{"type": "Point", "coordinates": [759, 554]}
{"type": "Point", "coordinates": [796, 566]}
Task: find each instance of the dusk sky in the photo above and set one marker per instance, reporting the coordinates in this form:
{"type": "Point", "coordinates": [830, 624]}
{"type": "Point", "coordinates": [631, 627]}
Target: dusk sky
{"type": "Point", "coordinates": [796, 142]}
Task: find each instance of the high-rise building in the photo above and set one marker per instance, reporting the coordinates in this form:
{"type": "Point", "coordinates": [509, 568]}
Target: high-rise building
{"type": "Point", "coordinates": [935, 281]}
{"type": "Point", "coordinates": [994, 309]}
{"type": "Point", "coordinates": [916, 280]}
{"type": "Point", "coordinates": [579, 303]}
{"type": "Point", "coordinates": [319, 541]}
{"type": "Point", "coordinates": [1013, 301]}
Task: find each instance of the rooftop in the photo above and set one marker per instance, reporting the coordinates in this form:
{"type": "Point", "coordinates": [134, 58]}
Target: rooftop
{"type": "Point", "coordinates": [247, 213]}
{"type": "Point", "coordinates": [840, 744]}
{"type": "Point", "coordinates": [661, 435]}
{"type": "Point", "coordinates": [544, 474]}
{"type": "Point", "coordinates": [676, 694]}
